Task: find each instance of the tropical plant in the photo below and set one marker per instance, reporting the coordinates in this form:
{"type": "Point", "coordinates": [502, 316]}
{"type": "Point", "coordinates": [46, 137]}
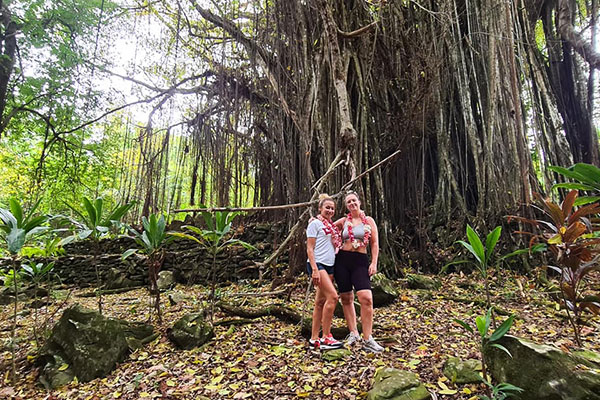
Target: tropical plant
{"type": "Point", "coordinates": [16, 229]}
{"type": "Point", "coordinates": [569, 235]}
{"type": "Point", "coordinates": [587, 178]}
{"type": "Point", "coordinates": [152, 241]}
{"type": "Point", "coordinates": [482, 254]}
{"type": "Point", "coordinates": [500, 391]}
{"type": "Point", "coordinates": [36, 272]}
{"type": "Point", "coordinates": [93, 224]}
{"type": "Point", "coordinates": [52, 246]}
{"type": "Point", "coordinates": [218, 225]}
{"type": "Point", "coordinates": [487, 339]}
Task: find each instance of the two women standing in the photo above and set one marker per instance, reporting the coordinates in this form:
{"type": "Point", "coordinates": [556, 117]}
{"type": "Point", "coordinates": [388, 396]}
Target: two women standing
{"type": "Point", "coordinates": [350, 235]}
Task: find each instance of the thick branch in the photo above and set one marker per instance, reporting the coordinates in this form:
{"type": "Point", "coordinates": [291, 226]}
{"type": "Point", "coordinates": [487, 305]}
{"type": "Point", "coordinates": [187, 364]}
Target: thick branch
{"type": "Point", "coordinates": [358, 32]}
{"type": "Point", "coordinates": [347, 131]}
{"type": "Point", "coordinates": [253, 48]}
{"type": "Point", "coordinates": [565, 26]}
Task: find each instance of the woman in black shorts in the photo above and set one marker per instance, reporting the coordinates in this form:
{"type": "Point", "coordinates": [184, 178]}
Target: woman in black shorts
{"type": "Point", "coordinates": [353, 270]}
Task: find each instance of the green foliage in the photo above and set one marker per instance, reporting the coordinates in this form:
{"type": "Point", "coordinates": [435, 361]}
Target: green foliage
{"type": "Point", "coordinates": [93, 223]}
{"type": "Point", "coordinates": [17, 227]}
{"type": "Point", "coordinates": [152, 241]}
{"type": "Point", "coordinates": [586, 177]}
{"type": "Point", "coordinates": [37, 271]}
{"type": "Point", "coordinates": [153, 238]}
{"type": "Point", "coordinates": [568, 233]}
{"type": "Point", "coordinates": [475, 247]}
{"type": "Point", "coordinates": [218, 226]}
{"type": "Point", "coordinates": [501, 391]}
{"type": "Point", "coordinates": [51, 247]}
{"type": "Point", "coordinates": [487, 339]}
{"type": "Point", "coordinates": [11, 277]}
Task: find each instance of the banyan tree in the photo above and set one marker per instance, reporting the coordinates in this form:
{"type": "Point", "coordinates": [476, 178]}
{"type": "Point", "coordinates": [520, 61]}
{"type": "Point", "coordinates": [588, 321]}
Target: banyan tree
{"type": "Point", "coordinates": [277, 99]}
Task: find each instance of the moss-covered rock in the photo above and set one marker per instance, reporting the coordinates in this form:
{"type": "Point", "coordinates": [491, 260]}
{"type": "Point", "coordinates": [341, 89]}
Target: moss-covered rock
{"type": "Point", "coordinates": [395, 384]}
{"type": "Point", "coordinates": [336, 354]}
{"type": "Point", "coordinates": [544, 372]}
{"type": "Point", "coordinates": [383, 290]}
{"type": "Point", "coordinates": [166, 280]}
{"type": "Point", "coordinates": [461, 372]}
{"type": "Point", "coordinates": [85, 344]}
{"type": "Point", "coordinates": [190, 331]}
{"type": "Point", "coordinates": [422, 282]}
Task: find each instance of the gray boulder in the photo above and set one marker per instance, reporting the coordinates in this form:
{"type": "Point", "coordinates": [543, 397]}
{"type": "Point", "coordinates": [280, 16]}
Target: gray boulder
{"type": "Point", "coordinates": [395, 384]}
{"type": "Point", "coordinates": [190, 331]}
{"type": "Point", "coordinates": [422, 282]}
{"type": "Point", "coordinates": [545, 372]}
{"type": "Point", "coordinates": [383, 290]}
{"type": "Point", "coordinates": [166, 280]}
{"type": "Point", "coordinates": [461, 372]}
{"type": "Point", "coordinates": [85, 344]}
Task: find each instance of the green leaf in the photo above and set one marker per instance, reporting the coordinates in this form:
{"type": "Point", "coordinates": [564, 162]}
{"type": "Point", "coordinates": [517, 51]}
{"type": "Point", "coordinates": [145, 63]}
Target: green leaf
{"type": "Point", "coordinates": [583, 200]}
{"type": "Point", "coordinates": [15, 240]}
{"type": "Point", "coordinates": [194, 229]}
{"type": "Point", "coordinates": [490, 242]}
{"type": "Point", "coordinates": [35, 222]}
{"type": "Point", "coordinates": [502, 329]}
{"type": "Point", "coordinates": [464, 325]}
{"type": "Point", "coordinates": [118, 213]}
{"type": "Point", "coordinates": [98, 206]}
{"type": "Point", "coordinates": [590, 171]}
{"type": "Point", "coordinates": [507, 387]}
{"type": "Point", "coordinates": [476, 244]}
{"type": "Point", "coordinates": [32, 211]}
{"type": "Point", "coordinates": [499, 346]}
{"type": "Point", "coordinates": [470, 248]}
{"type": "Point", "coordinates": [573, 186]}
{"type": "Point", "coordinates": [91, 211]}
{"type": "Point", "coordinates": [127, 253]}
{"type": "Point", "coordinates": [186, 236]}
{"type": "Point", "coordinates": [488, 320]}
{"type": "Point", "coordinates": [569, 173]}
{"type": "Point", "coordinates": [246, 245]}
{"type": "Point", "coordinates": [481, 325]}
{"type": "Point", "coordinates": [16, 210]}
{"type": "Point", "coordinates": [8, 219]}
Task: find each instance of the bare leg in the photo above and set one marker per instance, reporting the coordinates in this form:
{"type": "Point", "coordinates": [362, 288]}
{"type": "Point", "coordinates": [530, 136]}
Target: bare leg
{"type": "Point", "coordinates": [365, 298]}
{"type": "Point", "coordinates": [317, 314]}
{"type": "Point", "coordinates": [349, 312]}
{"type": "Point", "coordinates": [329, 293]}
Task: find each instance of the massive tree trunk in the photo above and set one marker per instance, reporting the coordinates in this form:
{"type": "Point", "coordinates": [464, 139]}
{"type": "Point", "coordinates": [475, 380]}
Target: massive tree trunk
{"type": "Point", "coordinates": [475, 101]}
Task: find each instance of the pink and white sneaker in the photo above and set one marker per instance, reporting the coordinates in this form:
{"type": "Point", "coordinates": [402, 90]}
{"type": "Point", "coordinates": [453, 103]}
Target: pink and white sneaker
{"type": "Point", "coordinates": [329, 342]}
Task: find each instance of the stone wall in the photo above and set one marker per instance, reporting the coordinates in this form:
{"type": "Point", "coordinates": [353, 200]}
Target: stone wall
{"type": "Point", "coordinates": [189, 262]}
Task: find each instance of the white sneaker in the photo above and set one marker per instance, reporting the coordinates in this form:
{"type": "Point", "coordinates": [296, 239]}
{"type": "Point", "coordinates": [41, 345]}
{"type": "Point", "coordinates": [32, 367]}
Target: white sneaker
{"type": "Point", "coordinates": [372, 346]}
{"type": "Point", "coordinates": [352, 338]}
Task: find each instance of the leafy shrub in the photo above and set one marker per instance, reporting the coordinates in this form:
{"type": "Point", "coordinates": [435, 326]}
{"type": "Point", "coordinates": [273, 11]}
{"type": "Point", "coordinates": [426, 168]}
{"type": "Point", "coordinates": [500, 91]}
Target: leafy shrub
{"type": "Point", "coordinates": [569, 235]}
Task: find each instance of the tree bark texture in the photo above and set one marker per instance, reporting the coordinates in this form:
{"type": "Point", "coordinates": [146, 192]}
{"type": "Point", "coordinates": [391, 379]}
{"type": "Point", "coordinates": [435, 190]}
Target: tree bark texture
{"type": "Point", "coordinates": [477, 105]}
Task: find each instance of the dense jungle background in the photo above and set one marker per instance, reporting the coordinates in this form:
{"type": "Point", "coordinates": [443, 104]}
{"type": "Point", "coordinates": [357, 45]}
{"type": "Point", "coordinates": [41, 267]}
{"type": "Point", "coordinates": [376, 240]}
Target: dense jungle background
{"type": "Point", "coordinates": [450, 118]}
{"type": "Point", "coordinates": [175, 104]}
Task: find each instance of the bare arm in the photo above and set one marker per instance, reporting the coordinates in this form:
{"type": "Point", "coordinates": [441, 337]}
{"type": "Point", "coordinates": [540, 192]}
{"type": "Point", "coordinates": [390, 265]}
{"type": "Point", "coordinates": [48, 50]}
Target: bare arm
{"type": "Point", "coordinates": [310, 251]}
{"type": "Point", "coordinates": [374, 246]}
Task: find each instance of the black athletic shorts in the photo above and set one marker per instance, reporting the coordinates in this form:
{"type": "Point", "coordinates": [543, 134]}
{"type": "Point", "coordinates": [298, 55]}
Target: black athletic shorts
{"type": "Point", "coordinates": [351, 270]}
{"type": "Point", "coordinates": [320, 267]}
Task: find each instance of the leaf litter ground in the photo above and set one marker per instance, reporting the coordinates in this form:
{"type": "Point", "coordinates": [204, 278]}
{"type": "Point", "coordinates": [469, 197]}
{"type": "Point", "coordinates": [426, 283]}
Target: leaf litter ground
{"type": "Point", "coordinates": [268, 359]}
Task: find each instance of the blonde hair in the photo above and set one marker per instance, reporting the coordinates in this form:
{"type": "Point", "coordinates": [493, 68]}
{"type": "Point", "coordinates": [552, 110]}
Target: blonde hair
{"type": "Point", "coordinates": [323, 197]}
{"type": "Point", "coordinates": [349, 193]}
